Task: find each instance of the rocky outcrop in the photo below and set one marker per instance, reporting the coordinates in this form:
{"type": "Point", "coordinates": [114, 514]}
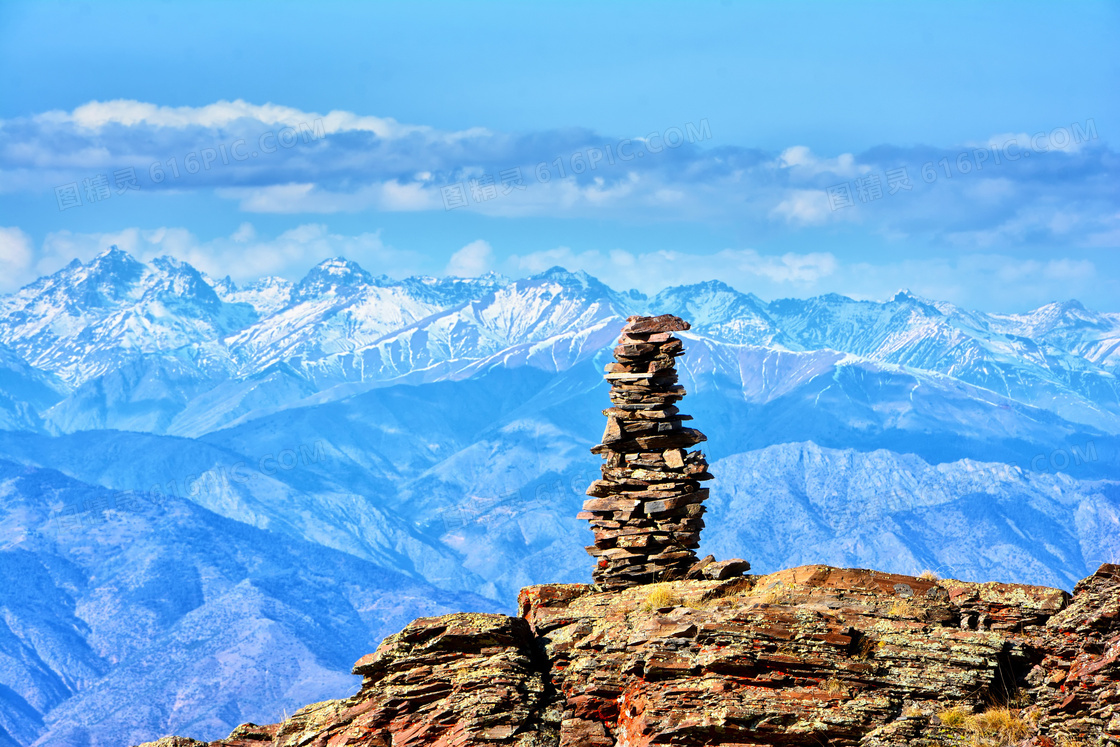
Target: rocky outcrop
{"type": "Point", "coordinates": [1076, 687]}
{"type": "Point", "coordinates": [808, 656]}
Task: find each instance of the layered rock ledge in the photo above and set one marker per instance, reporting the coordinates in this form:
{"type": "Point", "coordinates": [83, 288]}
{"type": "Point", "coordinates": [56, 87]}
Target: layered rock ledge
{"type": "Point", "coordinates": [813, 655]}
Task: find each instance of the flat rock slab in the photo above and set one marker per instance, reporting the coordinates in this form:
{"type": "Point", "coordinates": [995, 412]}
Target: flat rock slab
{"type": "Point", "coordinates": [638, 325]}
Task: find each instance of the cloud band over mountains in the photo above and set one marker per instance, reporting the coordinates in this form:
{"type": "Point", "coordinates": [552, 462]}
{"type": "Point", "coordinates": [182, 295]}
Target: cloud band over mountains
{"type": "Point", "coordinates": [983, 203]}
{"type": "Point", "coordinates": [1059, 184]}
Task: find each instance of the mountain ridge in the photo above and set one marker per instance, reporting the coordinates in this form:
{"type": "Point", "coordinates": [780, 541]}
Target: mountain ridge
{"type": "Point", "coordinates": [437, 429]}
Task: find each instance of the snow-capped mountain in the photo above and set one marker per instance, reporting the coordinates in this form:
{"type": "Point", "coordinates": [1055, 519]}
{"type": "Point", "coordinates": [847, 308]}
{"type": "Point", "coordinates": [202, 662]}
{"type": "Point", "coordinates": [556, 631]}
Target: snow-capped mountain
{"type": "Point", "coordinates": [266, 295]}
{"type": "Point", "coordinates": [1069, 326]}
{"type": "Point", "coordinates": [429, 436]}
{"type": "Point", "coordinates": [917, 334]}
{"type": "Point", "coordinates": [87, 320]}
{"type": "Point", "coordinates": [181, 338]}
{"type": "Point", "coordinates": [720, 312]}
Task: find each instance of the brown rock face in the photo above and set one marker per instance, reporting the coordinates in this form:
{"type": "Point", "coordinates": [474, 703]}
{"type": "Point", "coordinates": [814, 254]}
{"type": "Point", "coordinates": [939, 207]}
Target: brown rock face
{"type": "Point", "coordinates": [646, 511]}
{"type": "Point", "coordinates": [807, 656]}
{"type": "Point", "coordinates": [1076, 691]}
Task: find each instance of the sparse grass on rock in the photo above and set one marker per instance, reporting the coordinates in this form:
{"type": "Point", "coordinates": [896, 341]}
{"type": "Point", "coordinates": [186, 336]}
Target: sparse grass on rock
{"type": "Point", "coordinates": [995, 727]}
{"type": "Point", "coordinates": [954, 718]}
{"type": "Point", "coordinates": [659, 597]}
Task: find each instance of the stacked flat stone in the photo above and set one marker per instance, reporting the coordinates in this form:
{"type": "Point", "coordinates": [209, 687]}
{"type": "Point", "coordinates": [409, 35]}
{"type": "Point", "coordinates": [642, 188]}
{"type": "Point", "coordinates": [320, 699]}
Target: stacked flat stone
{"type": "Point", "coordinates": [646, 511]}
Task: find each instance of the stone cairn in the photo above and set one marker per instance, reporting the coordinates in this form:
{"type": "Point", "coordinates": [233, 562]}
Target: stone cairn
{"type": "Point", "coordinates": [646, 511]}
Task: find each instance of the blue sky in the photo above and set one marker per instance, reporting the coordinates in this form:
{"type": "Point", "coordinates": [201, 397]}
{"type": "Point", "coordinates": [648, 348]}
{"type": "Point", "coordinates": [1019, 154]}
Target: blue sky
{"type": "Point", "coordinates": [964, 151]}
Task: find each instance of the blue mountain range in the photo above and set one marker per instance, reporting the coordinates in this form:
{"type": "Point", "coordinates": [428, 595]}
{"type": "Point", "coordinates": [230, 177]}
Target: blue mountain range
{"type": "Point", "coordinates": [215, 497]}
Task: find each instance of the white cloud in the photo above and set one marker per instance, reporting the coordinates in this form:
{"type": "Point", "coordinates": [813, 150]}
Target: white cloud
{"type": "Point", "coordinates": [389, 196]}
{"type": "Point", "coordinates": [244, 233]}
{"type": "Point", "coordinates": [128, 112]}
{"type": "Point", "coordinates": [472, 260]}
{"type": "Point", "coordinates": [376, 164]}
{"type": "Point", "coordinates": [791, 268]}
{"type": "Point", "coordinates": [243, 255]}
{"type": "Point", "coordinates": [1069, 138]}
{"type": "Point", "coordinates": [15, 258]}
{"type": "Point", "coordinates": [800, 159]}
{"type": "Point", "coordinates": [805, 206]}
{"type": "Point", "coordinates": [653, 271]}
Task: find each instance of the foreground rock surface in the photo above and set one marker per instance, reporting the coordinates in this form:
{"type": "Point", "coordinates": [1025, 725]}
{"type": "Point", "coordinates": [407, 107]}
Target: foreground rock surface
{"type": "Point", "coordinates": [808, 656]}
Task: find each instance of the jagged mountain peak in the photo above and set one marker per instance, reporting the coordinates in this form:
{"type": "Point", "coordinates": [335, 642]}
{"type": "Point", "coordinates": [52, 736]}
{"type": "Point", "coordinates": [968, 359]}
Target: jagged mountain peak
{"type": "Point", "coordinates": [485, 278]}
{"type": "Point", "coordinates": [577, 282]}
{"type": "Point", "coordinates": [334, 276]}
{"type": "Point", "coordinates": [344, 270]}
{"type": "Point", "coordinates": [704, 292]}
{"type": "Point", "coordinates": [718, 310]}
{"type": "Point", "coordinates": [567, 278]}
{"type": "Point", "coordinates": [1059, 317]}
{"type": "Point", "coordinates": [106, 279]}
{"type": "Point", "coordinates": [114, 254]}
{"type": "Point", "coordinates": [115, 261]}
{"type": "Point", "coordinates": [224, 287]}
{"type": "Point", "coordinates": [1064, 312]}
{"type": "Point", "coordinates": [91, 319]}
{"type": "Point", "coordinates": [340, 266]}
{"type": "Point", "coordinates": [903, 294]}
{"type": "Point", "coordinates": [1072, 305]}
{"type": "Point", "coordinates": [451, 290]}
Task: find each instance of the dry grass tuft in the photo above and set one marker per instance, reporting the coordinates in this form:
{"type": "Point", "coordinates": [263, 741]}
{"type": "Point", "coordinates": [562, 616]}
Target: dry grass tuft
{"type": "Point", "coordinates": [659, 597]}
{"type": "Point", "coordinates": [900, 608]}
{"type": "Point", "coordinates": [954, 718]}
{"type": "Point", "coordinates": [738, 587]}
{"type": "Point", "coordinates": [928, 575]}
{"type": "Point", "coordinates": [995, 727]}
